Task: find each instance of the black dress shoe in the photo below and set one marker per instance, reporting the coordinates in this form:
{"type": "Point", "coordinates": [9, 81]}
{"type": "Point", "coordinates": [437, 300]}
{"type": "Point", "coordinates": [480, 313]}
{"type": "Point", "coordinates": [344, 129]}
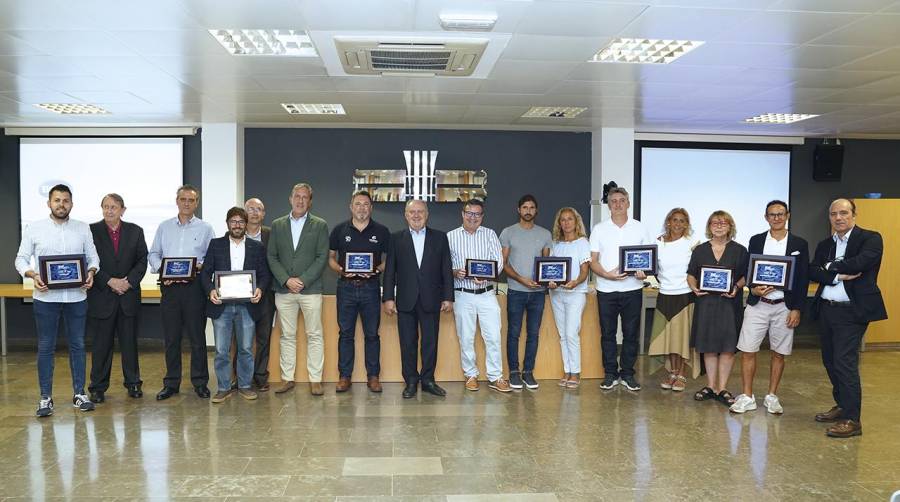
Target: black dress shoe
{"type": "Point", "coordinates": [433, 388]}
{"type": "Point", "coordinates": [98, 396]}
{"type": "Point", "coordinates": [166, 393]}
{"type": "Point", "coordinates": [409, 391]}
{"type": "Point", "coordinates": [202, 391]}
{"type": "Point", "coordinates": [134, 390]}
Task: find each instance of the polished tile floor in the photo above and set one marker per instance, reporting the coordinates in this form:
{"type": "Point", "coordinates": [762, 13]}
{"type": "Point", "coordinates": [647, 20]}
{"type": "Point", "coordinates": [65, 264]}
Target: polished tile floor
{"type": "Point", "coordinates": [552, 444]}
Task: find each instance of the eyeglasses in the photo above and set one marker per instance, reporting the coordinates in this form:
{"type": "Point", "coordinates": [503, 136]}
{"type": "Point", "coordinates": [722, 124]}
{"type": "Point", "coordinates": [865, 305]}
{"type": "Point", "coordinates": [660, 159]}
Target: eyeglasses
{"type": "Point", "coordinates": [776, 216]}
{"type": "Point", "coordinates": [719, 224]}
{"type": "Point", "coordinates": [237, 222]}
{"type": "Point", "coordinates": [473, 214]}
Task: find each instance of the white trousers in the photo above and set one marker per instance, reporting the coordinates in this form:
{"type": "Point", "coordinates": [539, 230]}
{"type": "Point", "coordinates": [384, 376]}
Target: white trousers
{"type": "Point", "coordinates": [567, 308]}
{"type": "Point", "coordinates": [289, 306]}
{"type": "Point", "coordinates": [483, 310]}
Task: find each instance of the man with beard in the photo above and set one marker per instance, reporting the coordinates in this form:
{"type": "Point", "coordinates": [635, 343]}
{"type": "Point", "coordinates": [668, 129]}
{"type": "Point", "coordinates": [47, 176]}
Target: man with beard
{"type": "Point", "coordinates": [358, 294]}
{"type": "Point", "coordinates": [522, 243]}
{"type": "Point", "coordinates": [58, 235]}
{"type": "Point", "coordinates": [234, 252]}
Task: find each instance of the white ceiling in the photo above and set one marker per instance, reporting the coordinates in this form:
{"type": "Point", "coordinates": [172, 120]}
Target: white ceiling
{"type": "Point", "coordinates": [153, 62]}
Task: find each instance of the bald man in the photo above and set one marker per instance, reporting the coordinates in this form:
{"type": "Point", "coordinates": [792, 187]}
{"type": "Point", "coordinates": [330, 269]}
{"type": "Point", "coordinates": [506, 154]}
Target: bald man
{"type": "Point", "coordinates": [846, 267]}
{"type": "Point", "coordinates": [256, 214]}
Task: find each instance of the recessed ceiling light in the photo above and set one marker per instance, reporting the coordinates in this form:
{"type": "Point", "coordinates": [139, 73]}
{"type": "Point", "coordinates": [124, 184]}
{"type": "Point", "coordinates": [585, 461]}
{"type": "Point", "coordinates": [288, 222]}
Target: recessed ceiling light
{"type": "Point", "coordinates": [779, 118]}
{"type": "Point", "coordinates": [266, 42]}
{"type": "Point", "coordinates": [72, 109]}
{"type": "Point", "coordinates": [644, 50]}
{"type": "Point", "coordinates": [313, 109]}
{"type": "Point", "coordinates": [554, 112]}
{"type": "Point", "coordinates": [468, 22]}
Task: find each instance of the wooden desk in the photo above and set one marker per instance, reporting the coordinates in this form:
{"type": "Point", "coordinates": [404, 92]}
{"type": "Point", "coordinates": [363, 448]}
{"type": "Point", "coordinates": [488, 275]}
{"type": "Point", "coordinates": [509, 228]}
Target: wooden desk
{"type": "Point", "coordinates": [148, 295]}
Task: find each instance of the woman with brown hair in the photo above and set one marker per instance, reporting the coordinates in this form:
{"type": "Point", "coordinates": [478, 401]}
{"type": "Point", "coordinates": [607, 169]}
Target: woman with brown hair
{"type": "Point", "coordinates": [717, 316]}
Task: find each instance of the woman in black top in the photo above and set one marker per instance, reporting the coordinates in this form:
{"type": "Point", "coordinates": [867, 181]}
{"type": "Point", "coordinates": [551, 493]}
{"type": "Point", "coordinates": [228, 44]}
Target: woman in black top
{"type": "Point", "coordinates": [717, 316]}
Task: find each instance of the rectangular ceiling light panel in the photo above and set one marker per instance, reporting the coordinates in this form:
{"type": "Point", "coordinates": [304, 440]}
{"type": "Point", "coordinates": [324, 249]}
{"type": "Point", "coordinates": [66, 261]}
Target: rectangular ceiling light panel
{"type": "Point", "coordinates": [313, 109]}
{"type": "Point", "coordinates": [644, 50]}
{"type": "Point", "coordinates": [248, 42]}
{"type": "Point", "coordinates": [779, 118]}
{"type": "Point", "coordinates": [554, 112]}
{"type": "Point", "coordinates": [72, 109]}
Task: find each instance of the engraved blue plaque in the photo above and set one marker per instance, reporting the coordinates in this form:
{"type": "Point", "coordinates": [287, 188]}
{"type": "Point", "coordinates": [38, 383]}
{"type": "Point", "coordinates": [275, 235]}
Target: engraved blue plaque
{"type": "Point", "coordinates": [715, 279]}
{"type": "Point", "coordinates": [771, 270]}
{"type": "Point", "coordinates": [359, 263]}
{"type": "Point", "coordinates": [62, 271]}
{"type": "Point", "coordinates": [178, 269]}
{"type": "Point", "coordinates": [638, 259]}
{"type": "Point", "coordinates": [481, 269]}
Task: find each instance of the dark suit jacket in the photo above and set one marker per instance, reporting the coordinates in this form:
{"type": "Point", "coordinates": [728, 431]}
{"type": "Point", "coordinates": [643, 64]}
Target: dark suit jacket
{"type": "Point", "coordinates": [863, 255]}
{"type": "Point", "coordinates": [218, 258]}
{"type": "Point", "coordinates": [431, 283]}
{"type": "Point", "coordinates": [795, 299]}
{"type": "Point", "coordinates": [130, 262]}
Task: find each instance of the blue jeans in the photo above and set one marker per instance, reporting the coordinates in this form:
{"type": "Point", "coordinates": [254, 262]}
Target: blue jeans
{"type": "Point", "coordinates": [517, 304]}
{"type": "Point", "coordinates": [234, 319]}
{"type": "Point", "coordinates": [46, 320]}
{"type": "Point", "coordinates": [359, 299]}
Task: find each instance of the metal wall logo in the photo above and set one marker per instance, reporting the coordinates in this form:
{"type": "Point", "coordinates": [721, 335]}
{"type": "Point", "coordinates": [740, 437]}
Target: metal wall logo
{"type": "Point", "coordinates": [420, 178]}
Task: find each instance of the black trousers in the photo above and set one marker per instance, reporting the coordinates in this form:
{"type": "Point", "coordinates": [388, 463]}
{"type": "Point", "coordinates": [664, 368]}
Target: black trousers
{"type": "Point", "coordinates": [408, 324]}
{"type": "Point", "coordinates": [183, 313]}
{"type": "Point", "coordinates": [611, 306]}
{"type": "Point", "coordinates": [104, 332]}
{"type": "Point", "coordinates": [263, 335]}
{"type": "Point", "coordinates": [841, 332]}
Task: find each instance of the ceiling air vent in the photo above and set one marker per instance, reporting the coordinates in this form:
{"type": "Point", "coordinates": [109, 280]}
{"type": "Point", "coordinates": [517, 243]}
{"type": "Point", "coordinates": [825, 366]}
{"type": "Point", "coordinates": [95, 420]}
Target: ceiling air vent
{"type": "Point", "coordinates": [368, 56]}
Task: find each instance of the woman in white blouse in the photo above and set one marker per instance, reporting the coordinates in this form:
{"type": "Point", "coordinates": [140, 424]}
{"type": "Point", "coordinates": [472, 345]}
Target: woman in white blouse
{"type": "Point", "coordinates": [670, 338]}
{"type": "Point", "coordinates": [568, 299]}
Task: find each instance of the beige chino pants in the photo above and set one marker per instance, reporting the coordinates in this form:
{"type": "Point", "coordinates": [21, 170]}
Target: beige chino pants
{"type": "Point", "coordinates": [289, 305]}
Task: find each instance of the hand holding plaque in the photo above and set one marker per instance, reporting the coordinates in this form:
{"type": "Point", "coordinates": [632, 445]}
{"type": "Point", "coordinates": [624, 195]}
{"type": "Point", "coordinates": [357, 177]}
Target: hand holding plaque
{"type": "Point", "coordinates": [772, 270]}
{"type": "Point", "coordinates": [235, 286]}
{"type": "Point", "coordinates": [555, 269]}
{"type": "Point", "coordinates": [633, 259]}
{"type": "Point", "coordinates": [715, 279]}
{"type": "Point", "coordinates": [62, 271]}
{"type": "Point", "coordinates": [359, 264]}
{"type": "Point", "coordinates": [182, 269]}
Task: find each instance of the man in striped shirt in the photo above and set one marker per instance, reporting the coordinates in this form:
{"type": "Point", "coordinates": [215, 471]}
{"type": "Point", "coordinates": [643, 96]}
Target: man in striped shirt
{"type": "Point", "coordinates": [476, 301]}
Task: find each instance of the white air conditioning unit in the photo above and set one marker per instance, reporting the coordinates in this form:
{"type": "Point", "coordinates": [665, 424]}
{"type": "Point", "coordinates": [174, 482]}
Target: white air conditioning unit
{"type": "Point", "coordinates": [412, 56]}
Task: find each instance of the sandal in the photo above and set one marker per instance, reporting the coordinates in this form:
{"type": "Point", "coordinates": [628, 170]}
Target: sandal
{"type": "Point", "coordinates": [667, 383]}
{"type": "Point", "coordinates": [704, 394]}
{"type": "Point", "coordinates": [679, 383]}
{"type": "Point", "coordinates": [725, 398]}
{"type": "Point", "coordinates": [573, 382]}
{"type": "Point", "coordinates": [564, 380]}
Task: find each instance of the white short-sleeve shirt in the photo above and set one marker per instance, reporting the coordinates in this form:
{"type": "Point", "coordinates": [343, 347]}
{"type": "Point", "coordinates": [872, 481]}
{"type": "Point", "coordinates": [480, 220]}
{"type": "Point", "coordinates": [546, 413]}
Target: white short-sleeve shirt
{"type": "Point", "coordinates": [606, 237]}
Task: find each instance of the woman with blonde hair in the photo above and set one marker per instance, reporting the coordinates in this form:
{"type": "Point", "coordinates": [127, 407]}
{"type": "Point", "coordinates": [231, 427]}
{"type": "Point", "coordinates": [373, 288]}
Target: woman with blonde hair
{"type": "Point", "coordinates": [717, 316]}
{"type": "Point", "coordinates": [568, 299]}
{"type": "Point", "coordinates": [670, 338]}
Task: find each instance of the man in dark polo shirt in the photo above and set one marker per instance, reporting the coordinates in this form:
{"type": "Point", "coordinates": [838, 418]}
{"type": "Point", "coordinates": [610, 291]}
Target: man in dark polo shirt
{"type": "Point", "coordinates": [358, 293]}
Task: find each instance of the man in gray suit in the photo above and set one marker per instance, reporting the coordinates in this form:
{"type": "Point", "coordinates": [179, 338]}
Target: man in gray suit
{"type": "Point", "coordinates": [298, 252]}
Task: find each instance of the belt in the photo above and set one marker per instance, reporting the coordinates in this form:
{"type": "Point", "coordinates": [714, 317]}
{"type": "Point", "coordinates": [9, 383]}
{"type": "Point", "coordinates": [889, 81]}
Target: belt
{"type": "Point", "coordinates": [771, 302]}
{"type": "Point", "coordinates": [475, 291]}
{"type": "Point", "coordinates": [359, 282]}
{"type": "Point", "coordinates": [833, 303]}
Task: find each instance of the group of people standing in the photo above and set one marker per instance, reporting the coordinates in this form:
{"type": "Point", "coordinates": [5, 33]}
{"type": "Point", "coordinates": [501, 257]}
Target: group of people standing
{"type": "Point", "coordinates": [420, 272]}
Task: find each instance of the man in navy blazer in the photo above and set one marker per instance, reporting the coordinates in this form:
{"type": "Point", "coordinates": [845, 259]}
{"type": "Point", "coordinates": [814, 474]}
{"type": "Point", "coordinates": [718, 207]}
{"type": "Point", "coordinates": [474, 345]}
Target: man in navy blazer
{"type": "Point", "coordinates": [115, 300]}
{"type": "Point", "coordinates": [234, 252]}
{"type": "Point", "coordinates": [846, 266]}
{"type": "Point", "coordinates": [772, 310]}
{"type": "Point", "coordinates": [418, 264]}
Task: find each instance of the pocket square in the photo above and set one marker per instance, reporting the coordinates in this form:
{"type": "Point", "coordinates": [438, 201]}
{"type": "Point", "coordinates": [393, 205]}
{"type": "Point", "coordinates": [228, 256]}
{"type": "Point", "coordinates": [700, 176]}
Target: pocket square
{"type": "Point", "coordinates": [795, 253]}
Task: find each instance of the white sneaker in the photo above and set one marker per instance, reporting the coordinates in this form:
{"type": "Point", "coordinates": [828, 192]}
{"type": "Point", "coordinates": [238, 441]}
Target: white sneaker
{"type": "Point", "coordinates": [773, 406]}
{"type": "Point", "coordinates": [82, 402]}
{"type": "Point", "coordinates": [743, 403]}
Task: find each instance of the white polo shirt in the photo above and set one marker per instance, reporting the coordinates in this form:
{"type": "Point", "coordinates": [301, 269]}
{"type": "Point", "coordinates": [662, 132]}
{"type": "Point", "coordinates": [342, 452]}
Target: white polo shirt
{"type": "Point", "coordinates": [606, 237]}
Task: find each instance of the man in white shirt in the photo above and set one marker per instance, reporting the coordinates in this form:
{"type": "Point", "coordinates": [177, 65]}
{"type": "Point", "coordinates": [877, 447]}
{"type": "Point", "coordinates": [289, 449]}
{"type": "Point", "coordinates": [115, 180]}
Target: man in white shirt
{"type": "Point", "coordinates": [618, 294]}
{"type": "Point", "coordinates": [476, 301]}
{"type": "Point", "coordinates": [54, 236]}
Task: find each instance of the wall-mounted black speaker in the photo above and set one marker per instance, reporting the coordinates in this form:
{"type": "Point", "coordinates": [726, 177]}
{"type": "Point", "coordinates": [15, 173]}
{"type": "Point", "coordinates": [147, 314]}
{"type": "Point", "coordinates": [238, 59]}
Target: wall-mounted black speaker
{"type": "Point", "coordinates": [828, 160]}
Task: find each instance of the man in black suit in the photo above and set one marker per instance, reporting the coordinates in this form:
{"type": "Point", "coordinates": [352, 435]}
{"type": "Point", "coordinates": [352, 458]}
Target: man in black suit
{"type": "Point", "coordinates": [115, 300]}
{"type": "Point", "coordinates": [418, 264]}
{"type": "Point", "coordinates": [846, 267]}
{"type": "Point", "coordinates": [256, 214]}
{"type": "Point", "coordinates": [234, 252]}
{"type": "Point", "coordinates": [770, 310]}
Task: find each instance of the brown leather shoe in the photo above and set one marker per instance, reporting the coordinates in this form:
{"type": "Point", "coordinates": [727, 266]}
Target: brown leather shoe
{"type": "Point", "coordinates": [845, 428]}
{"type": "Point", "coordinates": [343, 385]}
{"type": "Point", "coordinates": [472, 383]}
{"type": "Point", "coordinates": [374, 384]}
{"type": "Point", "coordinates": [263, 387]}
{"type": "Point", "coordinates": [315, 388]}
{"type": "Point", "coordinates": [286, 386]}
{"type": "Point", "coordinates": [832, 415]}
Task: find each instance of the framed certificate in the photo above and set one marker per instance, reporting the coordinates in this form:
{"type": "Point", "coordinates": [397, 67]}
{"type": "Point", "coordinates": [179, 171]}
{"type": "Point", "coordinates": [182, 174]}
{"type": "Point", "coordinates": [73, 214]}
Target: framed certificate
{"type": "Point", "coordinates": [481, 269]}
{"type": "Point", "coordinates": [638, 258]}
{"type": "Point", "coordinates": [552, 269]}
{"type": "Point", "coordinates": [235, 286]}
{"type": "Point", "coordinates": [63, 271]}
{"type": "Point", "coordinates": [178, 269]}
{"type": "Point", "coordinates": [715, 279]}
{"type": "Point", "coordinates": [359, 263]}
{"type": "Point", "coordinates": [772, 270]}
